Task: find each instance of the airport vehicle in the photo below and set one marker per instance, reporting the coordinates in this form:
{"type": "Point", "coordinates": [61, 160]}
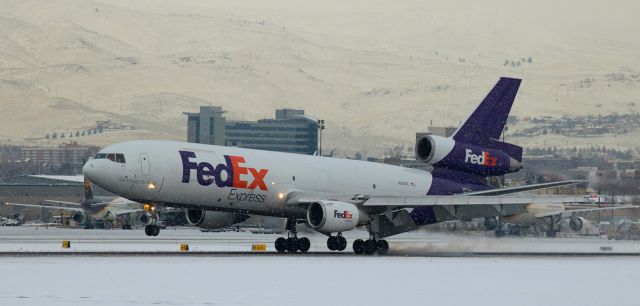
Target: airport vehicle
{"type": "Point", "coordinates": [331, 195]}
{"type": "Point", "coordinates": [547, 215]}
{"type": "Point", "coordinates": [9, 222]}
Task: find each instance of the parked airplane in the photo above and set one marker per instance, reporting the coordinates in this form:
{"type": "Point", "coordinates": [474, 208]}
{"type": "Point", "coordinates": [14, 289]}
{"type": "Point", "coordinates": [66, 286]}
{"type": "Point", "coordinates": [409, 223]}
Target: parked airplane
{"type": "Point", "coordinates": [91, 209]}
{"type": "Point", "coordinates": [331, 195]}
{"type": "Point", "coordinates": [106, 208]}
{"type": "Point", "coordinates": [547, 215]}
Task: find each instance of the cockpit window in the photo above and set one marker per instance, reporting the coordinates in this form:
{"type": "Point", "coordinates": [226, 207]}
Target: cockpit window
{"type": "Point", "coordinates": [114, 157]}
{"type": "Point", "coordinates": [120, 158]}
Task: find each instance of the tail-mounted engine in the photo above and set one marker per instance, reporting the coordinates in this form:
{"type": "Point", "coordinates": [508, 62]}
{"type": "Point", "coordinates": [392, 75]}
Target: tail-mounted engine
{"type": "Point", "coordinates": [448, 153]}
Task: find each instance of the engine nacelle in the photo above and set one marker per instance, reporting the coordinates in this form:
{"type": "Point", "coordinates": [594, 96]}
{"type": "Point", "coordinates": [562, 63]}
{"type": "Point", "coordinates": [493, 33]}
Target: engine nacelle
{"type": "Point", "coordinates": [576, 223]}
{"type": "Point", "coordinates": [448, 153]}
{"type": "Point", "coordinates": [80, 218]}
{"type": "Point", "coordinates": [146, 218]}
{"type": "Point", "coordinates": [432, 149]}
{"type": "Point", "coordinates": [334, 216]}
{"type": "Point", "coordinates": [490, 223]}
{"type": "Point", "coordinates": [213, 219]}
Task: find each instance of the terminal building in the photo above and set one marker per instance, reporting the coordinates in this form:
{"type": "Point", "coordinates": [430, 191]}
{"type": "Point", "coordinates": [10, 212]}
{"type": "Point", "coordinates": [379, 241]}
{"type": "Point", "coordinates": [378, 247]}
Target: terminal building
{"type": "Point", "coordinates": [290, 131]}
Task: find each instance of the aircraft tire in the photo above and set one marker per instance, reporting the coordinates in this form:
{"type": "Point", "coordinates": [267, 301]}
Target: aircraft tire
{"type": "Point", "coordinates": [332, 243]}
{"type": "Point", "coordinates": [370, 247]}
{"type": "Point", "coordinates": [304, 244]}
{"type": "Point", "coordinates": [281, 245]}
{"type": "Point", "coordinates": [292, 245]}
{"type": "Point", "coordinates": [148, 230]}
{"type": "Point", "coordinates": [358, 246]}
{"type": "Point", "coordinates": [341, 243]}
{"type": "Point", "coordinates": [383, 246]}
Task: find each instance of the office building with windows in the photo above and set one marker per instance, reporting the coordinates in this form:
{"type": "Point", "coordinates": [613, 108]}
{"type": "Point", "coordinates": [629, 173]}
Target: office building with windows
{"type": "Point", "coordinates": [291, 131]}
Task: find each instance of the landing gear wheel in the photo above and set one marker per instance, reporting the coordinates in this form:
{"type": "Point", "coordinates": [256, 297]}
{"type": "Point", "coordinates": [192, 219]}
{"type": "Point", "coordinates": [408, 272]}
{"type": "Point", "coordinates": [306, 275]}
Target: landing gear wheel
{"type": "Point", "coordinates": [370, 246]}
{"type": "Point", "coordinates": [148, 230]}
{"type": "Point", "coordinates": [382, 246]}
{"type": "Point", "coordinates": [281, 245]}
{"type": "Point", "coordinates": [304, 244]}
{"type": "Point", "coordinates": [152, 230]}
{"type": "Point", "coordinates": [332, 243]}
{"type": "Point", "coordinates": [341, 243]}
{"type": "Point", "coordinates": [292, 245]}
{"type": "Point", "coordinates": [358, 246]}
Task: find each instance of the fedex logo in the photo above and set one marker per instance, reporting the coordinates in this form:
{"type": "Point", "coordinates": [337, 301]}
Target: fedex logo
{"type": "Point", "coordinates": [342, 215]}
{"type": "Point", "coordinates": [230, 174]}
{"type": "Point", "coordinates": [484, 159]}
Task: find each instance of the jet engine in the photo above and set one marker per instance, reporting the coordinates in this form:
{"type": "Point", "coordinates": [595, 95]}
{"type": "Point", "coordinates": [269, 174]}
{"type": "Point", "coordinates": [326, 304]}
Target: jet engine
{"type": "Point", "coordinates": [576, 223]}
{"type": "Point", "coordinates": [334, 216]}
{"type": "Point", "coordinates": [450, 154]}
{"type": "Point", "coordinates": [80, 218]}
{"type": "Point", "coordinates": [213, 219]}
{"type": "Point", "coordinates": [146, 218]}
{"type": "Point", "coordinates": [490, 223]}
{"type": "Point", "coordinates": [431, 149]}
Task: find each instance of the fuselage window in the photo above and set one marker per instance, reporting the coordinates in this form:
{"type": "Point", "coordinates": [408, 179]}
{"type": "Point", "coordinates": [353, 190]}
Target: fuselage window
{"type": "Point", "coordinates": [111, 157]}
{"type": "Point", "coordinates": [120, 158]}
{"type": "Point", "coordinates": [100, 156]}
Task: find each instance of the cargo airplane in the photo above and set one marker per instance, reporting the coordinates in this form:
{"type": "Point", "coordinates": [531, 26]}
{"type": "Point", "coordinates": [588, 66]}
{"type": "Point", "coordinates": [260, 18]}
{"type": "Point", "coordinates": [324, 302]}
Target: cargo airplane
{"type": "Point", "coordinates": [331, 195]}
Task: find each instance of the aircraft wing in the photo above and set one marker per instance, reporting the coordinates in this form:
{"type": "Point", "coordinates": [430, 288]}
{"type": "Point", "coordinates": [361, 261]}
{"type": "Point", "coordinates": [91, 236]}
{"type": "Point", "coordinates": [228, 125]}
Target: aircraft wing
{"type": "Point", "coordinates": [70, 178]}
{"type": "Point", "coordinates": [464, 200]}
{"type": "Point", "coordinates": [569, 213]}
{"type": "Point", "coordinates": [526, 188]}
{"type": "Point", "coordinates": [295, 198]}
{"type": "Point", "coordinates": [49, 206]}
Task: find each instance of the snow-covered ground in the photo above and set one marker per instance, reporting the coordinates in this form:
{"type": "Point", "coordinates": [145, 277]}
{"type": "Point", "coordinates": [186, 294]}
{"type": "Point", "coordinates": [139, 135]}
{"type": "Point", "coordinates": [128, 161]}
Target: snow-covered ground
{"type": "Point", "coordinates": [318, 280]}
{"type": "Point", "coordinates": [308, 279]}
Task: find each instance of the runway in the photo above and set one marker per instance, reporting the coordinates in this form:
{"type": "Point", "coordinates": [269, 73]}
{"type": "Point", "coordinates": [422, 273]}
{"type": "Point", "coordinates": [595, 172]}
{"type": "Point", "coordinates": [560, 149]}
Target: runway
{"type": "Point", "coordinates": [48, 241]}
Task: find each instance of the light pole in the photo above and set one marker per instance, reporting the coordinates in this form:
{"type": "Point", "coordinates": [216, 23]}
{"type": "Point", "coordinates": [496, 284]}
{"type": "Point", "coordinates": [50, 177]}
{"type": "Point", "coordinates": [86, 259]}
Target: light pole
{"type": "Point", "coordinates": [320, 128]}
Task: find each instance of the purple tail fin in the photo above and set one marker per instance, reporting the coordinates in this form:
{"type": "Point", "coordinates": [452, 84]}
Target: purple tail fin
{"type": "Point", "coordinates": [485, 124]}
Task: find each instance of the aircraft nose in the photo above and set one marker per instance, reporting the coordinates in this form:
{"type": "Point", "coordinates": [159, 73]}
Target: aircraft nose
{"type": "Point", "coordinates": [89, 170]}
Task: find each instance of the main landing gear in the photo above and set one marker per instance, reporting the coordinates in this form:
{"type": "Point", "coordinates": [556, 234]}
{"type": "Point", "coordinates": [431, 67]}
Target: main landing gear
{"type": "Point", "coordinates": [292, 243]}
{"type": "Point", "coordinates": [370, 246]}
{"type": "Point", "coordinates": [152, 230]}
{"type": "Point", "coordinates": [337, 243]}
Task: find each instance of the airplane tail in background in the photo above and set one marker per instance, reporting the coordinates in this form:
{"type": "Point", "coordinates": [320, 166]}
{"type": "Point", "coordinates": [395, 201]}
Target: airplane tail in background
{"type": "Point", "coordinates": [88, 194]}
{"type": "Point", "coordinates": [475, 148]}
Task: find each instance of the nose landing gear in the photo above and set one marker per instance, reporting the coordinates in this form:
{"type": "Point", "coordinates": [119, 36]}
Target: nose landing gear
{"type": "Point", "coordinates": [152, 230]}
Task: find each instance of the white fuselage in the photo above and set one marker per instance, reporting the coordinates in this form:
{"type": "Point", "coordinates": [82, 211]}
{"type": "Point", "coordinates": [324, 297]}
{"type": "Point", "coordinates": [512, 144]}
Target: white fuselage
{"type": "Point", "coordinates": [262, 180]}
